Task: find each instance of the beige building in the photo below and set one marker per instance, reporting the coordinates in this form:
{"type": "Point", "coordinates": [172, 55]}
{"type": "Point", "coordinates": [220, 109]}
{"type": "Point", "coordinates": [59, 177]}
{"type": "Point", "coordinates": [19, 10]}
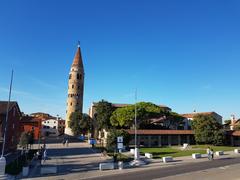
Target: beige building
{"type": "Point", "coordinates": [190, 116]}
{"type": "Point", "coordinates": [75, 88]}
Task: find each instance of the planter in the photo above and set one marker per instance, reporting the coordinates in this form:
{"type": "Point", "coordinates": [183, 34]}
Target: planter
{"type": "Point", "coordinates": [25, 171]}
{"type": "Point", "coordinates": [196, 156]}
{"type": "Point", "coordinates": [236, 151]}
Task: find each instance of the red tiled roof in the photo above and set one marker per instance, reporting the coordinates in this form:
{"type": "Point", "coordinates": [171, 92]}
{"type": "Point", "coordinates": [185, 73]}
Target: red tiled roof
{"type": "Point", "coordinates": [160, 132]}
{"type": "Point", "coordinates": [30, 119]}
{"type": "Point", "coordinates": [191, 115]}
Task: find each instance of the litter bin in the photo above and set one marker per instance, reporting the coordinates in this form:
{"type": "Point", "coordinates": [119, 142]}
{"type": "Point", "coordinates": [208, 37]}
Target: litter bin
{"type": "Point", "coordinates": [120, 165]}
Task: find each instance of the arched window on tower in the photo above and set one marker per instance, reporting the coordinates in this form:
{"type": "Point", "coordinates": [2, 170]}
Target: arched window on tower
{"type": "Point", "coordinates": [72, 86]}
{"type": "Point", "coordinates": [78, 76]}
{"type": "Point", "coordinates": [70, 76]}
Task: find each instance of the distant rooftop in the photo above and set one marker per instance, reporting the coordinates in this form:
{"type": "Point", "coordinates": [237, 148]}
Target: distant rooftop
{"type": "Point", "coordinates": [116, 105]}
{"type": "Point", "coordinates": [191, 115]}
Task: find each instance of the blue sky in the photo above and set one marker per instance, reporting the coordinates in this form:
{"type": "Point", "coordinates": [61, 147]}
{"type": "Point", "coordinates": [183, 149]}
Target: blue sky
{"type": "Point", "coordinates": [184, 54]}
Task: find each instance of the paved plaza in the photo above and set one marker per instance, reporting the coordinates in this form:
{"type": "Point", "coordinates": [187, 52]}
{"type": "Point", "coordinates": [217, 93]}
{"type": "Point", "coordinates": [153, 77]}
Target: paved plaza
{"type": "Point", "coordinates": [80, 161]}
{"type": "Point", "coordinates": [63, 160]}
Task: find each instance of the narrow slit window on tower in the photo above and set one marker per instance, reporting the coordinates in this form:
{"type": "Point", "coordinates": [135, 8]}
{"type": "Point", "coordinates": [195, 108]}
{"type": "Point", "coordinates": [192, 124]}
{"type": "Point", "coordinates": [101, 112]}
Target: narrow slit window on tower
{"type": "Point", "coordinates": [77, 76]}
{"type": "Point", "coordinates": [71, 104]}
{"type": "Point", "coordinates": [72, 86]}
{"type": "Point", "coordinates": [70, 76]}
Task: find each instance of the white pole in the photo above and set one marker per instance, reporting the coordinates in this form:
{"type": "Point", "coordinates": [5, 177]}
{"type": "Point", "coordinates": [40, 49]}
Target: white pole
{"type": "Point", "coordinates": [6, 120]}
{"type": "Point", "coordinates": [135, 129]}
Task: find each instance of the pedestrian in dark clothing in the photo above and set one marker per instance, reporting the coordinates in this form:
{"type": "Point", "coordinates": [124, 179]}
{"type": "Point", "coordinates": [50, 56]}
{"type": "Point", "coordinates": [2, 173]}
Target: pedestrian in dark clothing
{"type": "Point", "coordinates": [212, 154]}
{"type": "Point", "coordinates": [39, 154]}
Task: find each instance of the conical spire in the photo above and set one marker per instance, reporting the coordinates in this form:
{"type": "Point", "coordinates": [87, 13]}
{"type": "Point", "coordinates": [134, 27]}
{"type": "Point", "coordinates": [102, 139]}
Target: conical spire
{"type": "Point", "coordinates": [77, 61]}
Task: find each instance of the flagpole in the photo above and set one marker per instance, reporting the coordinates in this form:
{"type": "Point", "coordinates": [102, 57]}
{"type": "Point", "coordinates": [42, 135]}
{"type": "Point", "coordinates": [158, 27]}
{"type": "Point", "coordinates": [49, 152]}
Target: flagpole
{"type": "Point", "coordinates": [6, 120]}
{"type": "Point", "coordinates": [137, 161]}
{"type": "Point", "coordinates": [135, 121]}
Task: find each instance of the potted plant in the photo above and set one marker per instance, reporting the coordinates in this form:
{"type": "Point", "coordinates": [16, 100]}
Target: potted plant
{"type": "Point", "coordinates": [24, 143]}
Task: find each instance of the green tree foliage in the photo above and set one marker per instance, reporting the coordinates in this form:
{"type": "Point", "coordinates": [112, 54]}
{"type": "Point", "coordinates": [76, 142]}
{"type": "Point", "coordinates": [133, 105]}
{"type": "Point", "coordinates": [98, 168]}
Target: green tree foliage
{"type": "Point", "coordinates": [79, 123]}
{"type": "Point", "coordinates": [112, 139]}
{"type": "Point", "coordinates": [146, 111]}
{"type": "Point", "coordinates": [124, 117]}
{"type": "Point", "coordinates": [104, 111]}
{"type": "Point", "coordinates": [24, 140]}
{"type": "Point", "coordinates": [174, 120]}
{"type": "Point", "coordinates": [207, 130]}
{"type": "Point", "coordinates": [227, 122]}
{"type": "Point", "coordinates": [30, 135]}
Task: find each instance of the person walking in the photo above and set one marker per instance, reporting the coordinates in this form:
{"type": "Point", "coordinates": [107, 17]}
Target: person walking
{"type": "Point", "coordinates": [39, 153]}
{"type": "Point", "coordinates": [208, 153]}
{"type": "Point", "coordinates": [44, 155]}
{"type": "Point", "coordinates": [67, 142]}
{"type": "Point", "coordinates": [212, 154]}
{"type": "Point", "coordinates": [63, 142]}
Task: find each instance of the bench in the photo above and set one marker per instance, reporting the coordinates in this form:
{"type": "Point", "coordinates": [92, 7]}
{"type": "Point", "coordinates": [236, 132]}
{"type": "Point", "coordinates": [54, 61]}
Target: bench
{"type": "Point", "coordinates": [167, 159]}
{"type": "Point", "coordinates": [236, 151]}
{"type": "Point", "coordinates": [106, 166]}
{"type": "Point", "coordinates": [219, 153]}
{"type": "Point", "coordinates": [196, 156]}
{"type": "Point", "coordinates": [148, 155]}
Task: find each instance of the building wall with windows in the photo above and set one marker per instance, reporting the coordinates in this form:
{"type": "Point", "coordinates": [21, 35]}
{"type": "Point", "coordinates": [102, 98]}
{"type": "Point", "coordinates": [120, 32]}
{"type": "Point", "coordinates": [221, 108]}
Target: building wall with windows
{"type": "Point", "coordinates": [31, 124]}
{"type": "Point", "coordinates": [13, 126]}
{"type": "Point", "coordinates": [190, 116]}
{"type": "Point", "coordinates": [158, 138]}
{"type": "Point", "coordinates": [50, 127]}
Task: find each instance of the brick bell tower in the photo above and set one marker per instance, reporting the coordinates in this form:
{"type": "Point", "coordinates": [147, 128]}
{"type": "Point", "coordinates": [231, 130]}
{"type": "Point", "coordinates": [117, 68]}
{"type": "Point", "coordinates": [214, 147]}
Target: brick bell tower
{"type": "Point", "coordinates": [75, 88]}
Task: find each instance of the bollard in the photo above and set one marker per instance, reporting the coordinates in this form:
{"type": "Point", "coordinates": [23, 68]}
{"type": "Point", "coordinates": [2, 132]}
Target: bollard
{"type": "Point", "coordinates": [120, 165]}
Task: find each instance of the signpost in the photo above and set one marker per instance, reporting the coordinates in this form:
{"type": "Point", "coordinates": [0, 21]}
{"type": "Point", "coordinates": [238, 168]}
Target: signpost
{"type": "Point", "coordinates": [120, 143]}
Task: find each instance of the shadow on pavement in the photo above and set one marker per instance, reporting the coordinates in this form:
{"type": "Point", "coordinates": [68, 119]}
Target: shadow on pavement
{"type": "Point", "coordinates": [68, 151]}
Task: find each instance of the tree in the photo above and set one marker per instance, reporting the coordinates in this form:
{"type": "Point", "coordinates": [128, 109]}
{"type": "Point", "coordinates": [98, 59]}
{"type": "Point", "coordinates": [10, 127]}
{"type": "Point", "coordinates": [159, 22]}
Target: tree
{"type": "Point", "coordinates": [85, 123]}
{"type": "Point", "coordinates": [30, 135]}
{"type": "Point", "coordinates": [149, 115]}
{"type": "Point", "coordinates": [207, 130]}
{"type": "Point", "coordinates": [104, 111]}
{"type": "Point", "coordinates": [174, 120]}
{"type": "Point", "coordinates": [124, 117]}
{"type": "Point", "coordinates": [112, 139]}
{"type": "Point", "coordinates": [79, 123]}
{"type": "Point", "coordinates": [227, 122]}
{"type": "Point", "coordinates": [23, 142]}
